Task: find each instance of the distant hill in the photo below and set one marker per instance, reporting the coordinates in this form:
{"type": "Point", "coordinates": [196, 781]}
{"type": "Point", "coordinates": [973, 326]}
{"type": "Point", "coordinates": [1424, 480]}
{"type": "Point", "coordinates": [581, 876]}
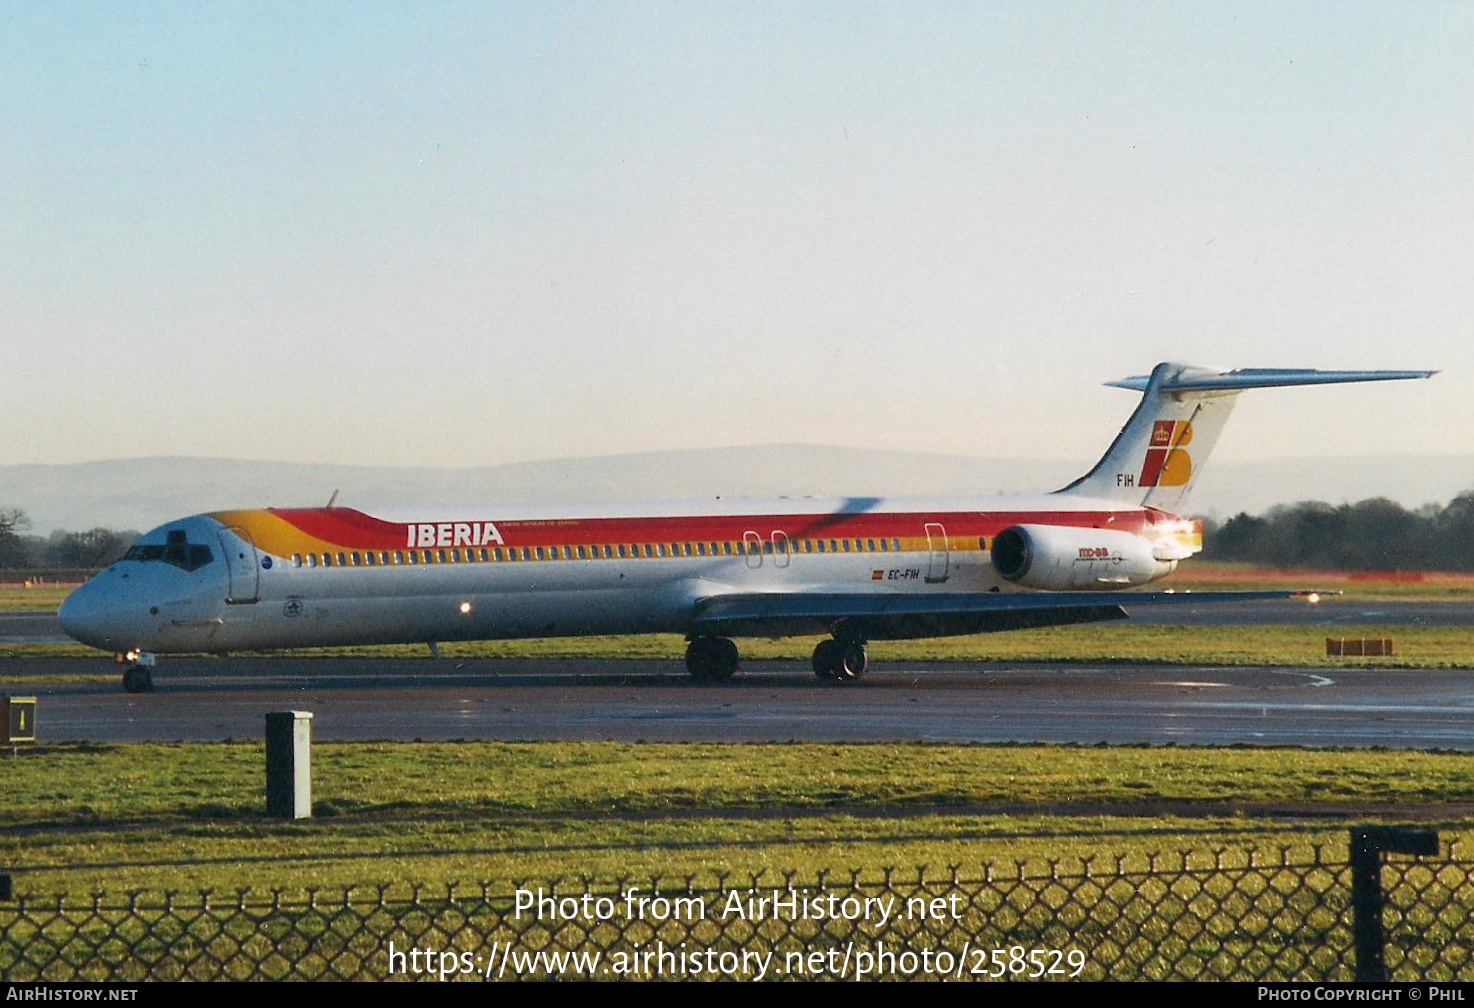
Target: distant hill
{"type": "Point", "coordinates": [142, 493]}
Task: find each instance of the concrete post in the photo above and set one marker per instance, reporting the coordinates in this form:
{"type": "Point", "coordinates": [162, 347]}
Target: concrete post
{"type": "Point", "coordinates": [289, 764]}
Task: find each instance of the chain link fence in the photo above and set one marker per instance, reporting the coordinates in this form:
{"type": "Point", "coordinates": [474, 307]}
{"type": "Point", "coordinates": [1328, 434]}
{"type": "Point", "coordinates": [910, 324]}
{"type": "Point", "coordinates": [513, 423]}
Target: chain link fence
{"type": "Point", "coordinates": [1230, 915]}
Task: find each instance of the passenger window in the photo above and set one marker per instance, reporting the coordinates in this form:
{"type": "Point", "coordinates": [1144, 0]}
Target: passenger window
{"type": "Point", "coordinates": [896, 545]}
{"type": "Point", "coordinates": [399, 556]}
{"type": "Point", "coordinates": [727, 548]}
{"type": "Point", "coordinates": [357, 560]}
{"type": "Point", "coordinates": [870, 545]}
{"type": "Point", "coordinates": [701, 549]}
{"type": "Point", "coordinates": [821, 545]}
{"type": "Point", "coordinates": [373, 561]}
{"type": "Point", "coordinates": [296, 559]}
{"type": "Point", "coordinates": [882, 545]}
{"type": "Point", "coordinates": [312, 560]}
{"type": "Point", "coordinates": [327, 559]}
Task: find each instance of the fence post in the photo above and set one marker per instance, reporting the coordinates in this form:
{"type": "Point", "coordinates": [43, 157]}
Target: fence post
{"type": "Point", "coordinates": [1367, 845]}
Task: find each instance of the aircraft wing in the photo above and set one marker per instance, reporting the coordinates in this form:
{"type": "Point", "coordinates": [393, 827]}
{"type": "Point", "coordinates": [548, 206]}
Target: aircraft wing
{"type": "Point", "coordinates": [900, 617]}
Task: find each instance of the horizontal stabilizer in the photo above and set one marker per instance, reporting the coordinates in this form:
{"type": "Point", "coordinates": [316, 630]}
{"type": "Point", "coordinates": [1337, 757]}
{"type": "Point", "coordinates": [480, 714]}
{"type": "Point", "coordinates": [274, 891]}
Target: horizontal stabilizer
{"type": "Point", "coordinates": [1251, 378]}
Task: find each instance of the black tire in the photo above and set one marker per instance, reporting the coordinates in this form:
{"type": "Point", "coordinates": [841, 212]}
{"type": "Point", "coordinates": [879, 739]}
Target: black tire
{"type": "Point", "coordinates": [711, 659]}
{"type": "Point", "coordinates": [826, 659]}
{"type": "Point", "coordinates": [137, 680]}
{"type": "Point", "coordinates": [724, 659]}
{"type": "Point", "coordinates": [698, 659]}
{"type": "Point", "coordinates": [853, 662]}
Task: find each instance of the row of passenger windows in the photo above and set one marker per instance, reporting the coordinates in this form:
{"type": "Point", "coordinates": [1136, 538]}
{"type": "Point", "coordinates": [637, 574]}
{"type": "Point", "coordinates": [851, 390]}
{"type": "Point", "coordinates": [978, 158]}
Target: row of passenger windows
{"type": "Point", "coordinates": [621, 551]}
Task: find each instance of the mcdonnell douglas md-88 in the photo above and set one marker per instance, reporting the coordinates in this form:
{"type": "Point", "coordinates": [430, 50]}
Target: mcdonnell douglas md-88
{"type": "Point", "coordinates": [856, 569]}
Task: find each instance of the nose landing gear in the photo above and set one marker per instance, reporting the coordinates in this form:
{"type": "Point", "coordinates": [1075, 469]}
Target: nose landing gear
{"type": "Point", "coordinates": [138, 676]}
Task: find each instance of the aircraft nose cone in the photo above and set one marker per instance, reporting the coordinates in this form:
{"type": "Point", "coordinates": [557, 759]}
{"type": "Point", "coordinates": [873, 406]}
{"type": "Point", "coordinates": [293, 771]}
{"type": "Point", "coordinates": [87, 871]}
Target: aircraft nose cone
{"type": "Point", "coordinates": [83, 617]}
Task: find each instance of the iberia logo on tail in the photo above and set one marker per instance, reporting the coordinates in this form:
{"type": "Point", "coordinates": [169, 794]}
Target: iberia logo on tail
{"type": "Point", "coordinates": [1167, 464]}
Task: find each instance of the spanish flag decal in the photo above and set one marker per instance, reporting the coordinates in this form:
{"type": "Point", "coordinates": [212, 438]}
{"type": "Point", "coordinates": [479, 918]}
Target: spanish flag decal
{"type": "Point", "coordinates": [1167, 464]}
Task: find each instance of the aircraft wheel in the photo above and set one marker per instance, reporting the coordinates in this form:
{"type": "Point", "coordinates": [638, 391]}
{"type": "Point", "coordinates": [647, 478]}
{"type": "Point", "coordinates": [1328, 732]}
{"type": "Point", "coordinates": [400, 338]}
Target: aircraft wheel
{"type": "Point", "coordinates": [826, 659]}
{"type": "Point", "coordinates": [137, 679]}
{"type": "Point", "coordinates": [853, 662]}
{"type": "Point", "coordinates": [725, 653]}
{"type": "Point", "coordinates": [711, 659]}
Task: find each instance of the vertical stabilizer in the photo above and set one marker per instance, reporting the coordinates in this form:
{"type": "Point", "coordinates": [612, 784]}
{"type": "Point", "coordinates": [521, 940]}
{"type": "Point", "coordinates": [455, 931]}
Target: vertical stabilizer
{"type": "Point", "coordinates": [1156, 459]}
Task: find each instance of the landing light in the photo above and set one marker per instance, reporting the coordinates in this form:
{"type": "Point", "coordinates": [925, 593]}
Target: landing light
{"type": "Point", "coordinates": [465, 608]}
{"type": "Point", "coordinates": [1313, 598]}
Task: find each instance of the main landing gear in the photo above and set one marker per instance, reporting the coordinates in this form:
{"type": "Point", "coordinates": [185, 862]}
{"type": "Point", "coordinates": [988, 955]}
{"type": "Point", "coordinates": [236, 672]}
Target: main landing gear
{"type": "Point", "coordinates": [138, 676]}
{"type": "Point", "coordinates": [711, 659]}
{"type": "Point", "coordinates": [840, 660]}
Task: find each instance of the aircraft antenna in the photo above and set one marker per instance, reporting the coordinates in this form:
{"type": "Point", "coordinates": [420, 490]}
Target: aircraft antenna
{"type": "Point", "coordinates": [331, 499]}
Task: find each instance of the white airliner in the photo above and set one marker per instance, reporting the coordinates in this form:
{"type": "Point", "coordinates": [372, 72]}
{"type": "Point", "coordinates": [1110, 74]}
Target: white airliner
{"type": "Point", "coordinates": [857, 569]}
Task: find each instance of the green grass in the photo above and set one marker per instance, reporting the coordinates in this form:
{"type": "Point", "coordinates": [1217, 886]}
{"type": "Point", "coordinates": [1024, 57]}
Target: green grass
{"type": "Point", "coordinates": [40, 598]}
{"type": "Point", "coordinates": [191, 816]}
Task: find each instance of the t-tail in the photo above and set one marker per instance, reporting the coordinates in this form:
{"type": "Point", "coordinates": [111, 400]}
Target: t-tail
{"type": "Point", "coordinates": [1156, 459]}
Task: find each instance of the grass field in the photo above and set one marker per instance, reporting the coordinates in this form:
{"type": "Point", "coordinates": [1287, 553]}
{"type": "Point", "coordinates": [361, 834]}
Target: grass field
{"type": "Point", "coordinates": [39, 598]}
{"type": "Point", "coordinates": [158, 817]}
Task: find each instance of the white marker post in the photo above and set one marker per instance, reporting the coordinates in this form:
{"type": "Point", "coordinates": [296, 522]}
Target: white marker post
{"type": "Point", "coordinates": [289, 764]}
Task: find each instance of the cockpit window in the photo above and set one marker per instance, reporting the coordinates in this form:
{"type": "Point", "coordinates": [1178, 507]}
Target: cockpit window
{"type": "Point", "coordinates": [178, 552]}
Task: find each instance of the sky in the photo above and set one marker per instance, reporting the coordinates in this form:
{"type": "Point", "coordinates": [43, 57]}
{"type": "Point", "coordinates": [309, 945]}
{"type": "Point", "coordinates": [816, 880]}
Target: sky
{"type": "Point", "coordinates": [468, 234]}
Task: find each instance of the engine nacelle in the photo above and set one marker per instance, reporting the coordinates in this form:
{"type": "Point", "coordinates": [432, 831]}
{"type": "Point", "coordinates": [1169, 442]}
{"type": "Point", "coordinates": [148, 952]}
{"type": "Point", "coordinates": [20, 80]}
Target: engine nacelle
{"type": "Point", "coordinates": [1059, 558]}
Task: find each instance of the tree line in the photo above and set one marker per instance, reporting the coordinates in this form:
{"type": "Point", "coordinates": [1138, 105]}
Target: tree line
{"type": "Point", "coordinates": [92, 549]}
{"type": "Point", "coordinates": [1370, 535]}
